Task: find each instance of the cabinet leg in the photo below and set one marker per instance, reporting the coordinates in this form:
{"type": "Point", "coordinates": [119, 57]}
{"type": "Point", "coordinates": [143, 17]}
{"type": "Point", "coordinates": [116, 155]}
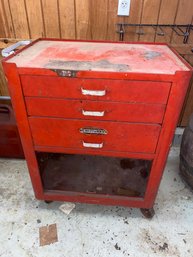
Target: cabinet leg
{"type": "Point", "coordinates": [148, 213]}
{"type": "Point", "coordinates": [47, 201]}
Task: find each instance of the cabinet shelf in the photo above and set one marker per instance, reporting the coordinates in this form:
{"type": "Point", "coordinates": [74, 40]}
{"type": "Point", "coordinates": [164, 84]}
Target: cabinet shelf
{"type": "Point", "coordinates": [94, 174]}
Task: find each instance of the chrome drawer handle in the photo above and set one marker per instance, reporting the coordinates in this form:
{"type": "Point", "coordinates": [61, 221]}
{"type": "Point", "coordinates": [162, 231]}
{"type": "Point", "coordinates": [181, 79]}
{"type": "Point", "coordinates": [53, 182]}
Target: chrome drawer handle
{"type": "Point", "coordinates": [91, 113]}
{"type": "Point", "coordinates": [92, 145]}
{"type": "Point", "coordinates": [93, 92]}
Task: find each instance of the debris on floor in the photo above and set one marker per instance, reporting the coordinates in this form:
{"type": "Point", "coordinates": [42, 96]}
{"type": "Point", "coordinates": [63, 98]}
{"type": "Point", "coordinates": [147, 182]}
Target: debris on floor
{"type": "Point", "coordinates": [48, 235]}
{"type": "Point", "coordinates": [67, 208]}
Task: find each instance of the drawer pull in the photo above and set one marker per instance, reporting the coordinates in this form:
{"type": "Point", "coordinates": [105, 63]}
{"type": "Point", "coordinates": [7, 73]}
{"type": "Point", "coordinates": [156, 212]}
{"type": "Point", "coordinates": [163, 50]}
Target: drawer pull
{"type": "Point", "coordinates": [92, 145]}
{"type": "Point", "coordinates": [93, 92]}
{"type": "Point", "coordinates": [91, 113]}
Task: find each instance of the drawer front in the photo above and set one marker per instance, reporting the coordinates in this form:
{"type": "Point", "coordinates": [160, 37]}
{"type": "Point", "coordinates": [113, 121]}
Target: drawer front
{"type": "Point", "coordinates": [95, 110]}
{"type": "Point", "coordinates": [101, 135]}
{"type": "Point", "coordinates": [96, 89]}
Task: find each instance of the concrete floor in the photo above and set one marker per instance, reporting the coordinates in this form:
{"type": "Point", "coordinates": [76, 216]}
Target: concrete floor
{"type": "Point", "coordinates": [91, 230]}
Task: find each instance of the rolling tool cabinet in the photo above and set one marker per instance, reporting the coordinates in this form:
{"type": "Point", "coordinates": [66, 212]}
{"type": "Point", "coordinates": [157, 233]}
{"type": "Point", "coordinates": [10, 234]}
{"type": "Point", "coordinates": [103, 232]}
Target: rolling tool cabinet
{"type": "Point", "coordinates": [96, 119]}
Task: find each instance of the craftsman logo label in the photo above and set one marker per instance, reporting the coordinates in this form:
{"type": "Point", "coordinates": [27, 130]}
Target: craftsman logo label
{"type": "Point", "coordinates": [95, 131]}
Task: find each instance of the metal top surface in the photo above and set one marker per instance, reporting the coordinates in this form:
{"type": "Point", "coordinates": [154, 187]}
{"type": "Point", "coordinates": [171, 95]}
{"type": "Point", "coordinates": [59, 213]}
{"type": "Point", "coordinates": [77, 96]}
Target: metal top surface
{"type": "Point", "coordinates": [98, 56]}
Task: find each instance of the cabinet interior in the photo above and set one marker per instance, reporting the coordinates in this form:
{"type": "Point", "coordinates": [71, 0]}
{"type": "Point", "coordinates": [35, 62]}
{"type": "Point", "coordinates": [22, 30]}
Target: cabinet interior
{"type": "Point", "coordinates": [94, 174]}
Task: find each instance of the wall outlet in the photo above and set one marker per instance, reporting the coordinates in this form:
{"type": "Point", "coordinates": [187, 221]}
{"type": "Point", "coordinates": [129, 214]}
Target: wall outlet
{"type": "Point", "coordinates": [123, 7]}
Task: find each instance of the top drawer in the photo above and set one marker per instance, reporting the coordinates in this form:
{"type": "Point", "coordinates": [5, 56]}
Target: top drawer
{"type": "Point", "coordinates": [96, 89]}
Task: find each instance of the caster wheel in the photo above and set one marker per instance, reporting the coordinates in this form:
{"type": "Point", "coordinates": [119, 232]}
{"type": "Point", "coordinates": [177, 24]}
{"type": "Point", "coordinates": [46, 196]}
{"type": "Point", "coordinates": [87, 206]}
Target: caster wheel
{"type": "Point", "coordinates": [46, 201]}
{"type": "Point", "coordinates": [148, 213]}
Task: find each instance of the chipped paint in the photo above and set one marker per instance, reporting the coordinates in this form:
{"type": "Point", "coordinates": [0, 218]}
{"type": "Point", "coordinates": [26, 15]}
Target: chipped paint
{"type": "Point", "coordinates": [151, 55]}
{"type": "Point", "coordinates": [88, 65]}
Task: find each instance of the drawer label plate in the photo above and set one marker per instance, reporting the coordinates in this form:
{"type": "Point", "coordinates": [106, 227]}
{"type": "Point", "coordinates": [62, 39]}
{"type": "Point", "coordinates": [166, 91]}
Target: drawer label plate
{"type": "Point", "coordinates": [95, 131]}
{"type": "Point", "coordinates": [65, 73]}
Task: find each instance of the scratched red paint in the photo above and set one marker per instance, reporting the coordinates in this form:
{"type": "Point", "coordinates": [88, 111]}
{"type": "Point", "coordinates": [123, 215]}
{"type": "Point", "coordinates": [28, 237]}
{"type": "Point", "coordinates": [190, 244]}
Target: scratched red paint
{"type": "Point", "coordinates": [100, 56]}
{"type": "Point", "coordinates": [73, 52]}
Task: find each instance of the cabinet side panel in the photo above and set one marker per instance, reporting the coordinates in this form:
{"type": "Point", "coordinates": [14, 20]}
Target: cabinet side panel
{"type": "Point", "coordinates": [174, 105]}
{"type": "Point", "coordinates": [15, 90]}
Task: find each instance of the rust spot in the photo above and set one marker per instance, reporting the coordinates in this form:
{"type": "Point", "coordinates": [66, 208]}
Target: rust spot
{"type": "Point", "coordinates": [150, 55]}
{"type": "Point", "coordinates": [88, 65]}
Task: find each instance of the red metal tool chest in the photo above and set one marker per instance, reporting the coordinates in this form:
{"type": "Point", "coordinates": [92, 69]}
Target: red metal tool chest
{"type": "Point", "coordinates": [97, 119]}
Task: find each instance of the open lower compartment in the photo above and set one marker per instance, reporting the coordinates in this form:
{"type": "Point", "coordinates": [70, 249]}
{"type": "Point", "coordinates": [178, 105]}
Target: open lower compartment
{"type": "Point", "coordinates": [94, 174]}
